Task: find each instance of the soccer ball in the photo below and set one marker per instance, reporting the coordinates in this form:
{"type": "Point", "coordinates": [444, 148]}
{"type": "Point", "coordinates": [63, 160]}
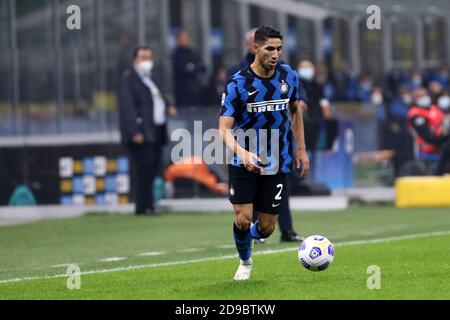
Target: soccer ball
{"type": "Point", "coordinates": [316, 253]}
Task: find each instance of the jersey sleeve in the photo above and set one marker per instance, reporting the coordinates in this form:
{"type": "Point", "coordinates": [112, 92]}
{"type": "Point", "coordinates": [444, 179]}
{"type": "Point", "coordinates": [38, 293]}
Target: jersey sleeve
{"type": "Point", "coordinates": [297, 93]}
{"type": "Point", "coordinates": [230, 100]}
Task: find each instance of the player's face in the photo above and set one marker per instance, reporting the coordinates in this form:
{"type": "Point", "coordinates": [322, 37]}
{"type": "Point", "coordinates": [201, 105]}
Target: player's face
{"type": "Point", "coordinates": [269, 53]}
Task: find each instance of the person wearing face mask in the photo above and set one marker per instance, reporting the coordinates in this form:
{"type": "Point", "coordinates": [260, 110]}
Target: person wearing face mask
{"type": "Point", "coordinates": [427, 120]}
{"type": "Point", "coordinates": [317, 105]}
{"type": "Point", "coordinates": [414, 80]}
{"type": "Point", "coordinates": [443, 103]}
{"type": "Point", "coordinates": [143, 114]}
{"type": "Point", "coordinates": [365, 87]}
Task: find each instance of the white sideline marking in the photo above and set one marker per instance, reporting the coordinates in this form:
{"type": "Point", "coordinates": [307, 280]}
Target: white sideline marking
{"type": "Point", "coordinates": [263, 252]}
{"type": "Point", "coordinates": [151, 254]}
{"type": "Point", "coordinates": [190, 250]}
{"type": "Point", "coordinates": [227, 246]}
{"type": "Point", "coordinates": [112, 259]}
{"type": "Point", "coordinates": [62, 265]}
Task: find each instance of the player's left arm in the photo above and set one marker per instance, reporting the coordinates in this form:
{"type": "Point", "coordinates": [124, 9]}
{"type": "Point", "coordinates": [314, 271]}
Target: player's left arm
{"type": "Point", "coordinates": [301, 156]}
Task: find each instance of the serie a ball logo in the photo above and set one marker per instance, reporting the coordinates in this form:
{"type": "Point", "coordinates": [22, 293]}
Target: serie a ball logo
{"type": "Point", "coordinates": [316, 253]}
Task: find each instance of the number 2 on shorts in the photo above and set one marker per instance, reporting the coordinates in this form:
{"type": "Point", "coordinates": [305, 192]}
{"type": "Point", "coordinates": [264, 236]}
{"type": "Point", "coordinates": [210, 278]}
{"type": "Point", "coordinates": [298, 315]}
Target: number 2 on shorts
{"type": "Point", "coordinates": [278, 196]}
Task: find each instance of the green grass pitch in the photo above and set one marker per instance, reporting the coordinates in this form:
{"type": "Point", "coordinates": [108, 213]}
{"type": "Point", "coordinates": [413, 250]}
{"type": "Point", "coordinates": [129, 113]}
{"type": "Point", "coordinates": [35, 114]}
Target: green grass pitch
{"type": "Point", "coordinates": [191, 256]}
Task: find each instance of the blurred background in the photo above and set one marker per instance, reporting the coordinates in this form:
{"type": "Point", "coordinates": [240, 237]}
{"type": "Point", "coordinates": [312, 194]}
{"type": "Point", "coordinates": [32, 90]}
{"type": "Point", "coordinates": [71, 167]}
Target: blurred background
{"type": "Point", "coordinates": [59, 126]}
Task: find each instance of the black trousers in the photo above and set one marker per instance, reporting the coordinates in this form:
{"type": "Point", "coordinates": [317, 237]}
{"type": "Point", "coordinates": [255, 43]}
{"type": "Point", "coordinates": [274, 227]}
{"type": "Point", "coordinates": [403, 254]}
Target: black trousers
{"type": "Point", "coordinates": [285, 217]}
{"type": "Point", "coordinates": [444, 160]}
{"type": "Point", "coordinates": [147, 157]}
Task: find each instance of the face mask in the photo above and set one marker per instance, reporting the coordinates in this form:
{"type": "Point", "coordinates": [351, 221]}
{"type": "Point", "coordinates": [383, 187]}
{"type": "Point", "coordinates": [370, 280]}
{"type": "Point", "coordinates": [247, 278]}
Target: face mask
{"type": "Point", "coordinates": [145, 67]}
{"type": "Point", "coordinates": [417, 80]}
{"type": "Point", "coordinates": [377, 99]}
{"type": "Point", "coordinates": [444, 102]}
{"type": "Point", "coordinates": [306, 73]}
{"type": "Point", "coordinates": [424, 102]}
{"type": "Point", "coordinates": [407, 99]}
{"type": "Point", "coordinates": [367, 86]}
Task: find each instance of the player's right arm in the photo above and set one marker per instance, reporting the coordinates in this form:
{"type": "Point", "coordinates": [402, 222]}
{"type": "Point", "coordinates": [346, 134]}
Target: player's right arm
{"type": "Point", "coordinates": [249, 159]}
{"type": "Point", "coordinates": [231, 103]}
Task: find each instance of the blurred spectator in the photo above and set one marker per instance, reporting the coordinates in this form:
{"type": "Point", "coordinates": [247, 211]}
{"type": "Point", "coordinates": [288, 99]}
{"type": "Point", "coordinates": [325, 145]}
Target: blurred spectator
{"type": "Point", "coordinates": [393, 133]}
{"type": "Point", "coordinates": [399, 139]}
{"type": "Point", "coordinates": [377, 101]}
{"type": "Point", "coordinates": [216, 87]}
{"type": "Point", "coordinates": [126, 54]}
{"type": "Point", "coordinates": [249, 57]}
{"type": "Point", "coordinates": [444, 105]}
{"type": "Point", "coordinates": [322, 78]}
{"type": "Point", "coordinates": [394, 79]}
{"type": "Point", "coordinates": [442, 76]}
{"type": "Point", "coordinates": [413, 80]}
{"type": "Point", "coordinates": [443, 102]}
{"type": "Point", "coordinates": [189, 71]}
{"type": "Point", "coordinates": [345, 83]}
{"type": "Point", "coordinates": [142, 111]}
{"type": "Point", "coordinates": [364, 89]}
{"type": "Point", "coordinates": [399, 105]}
{"type": "Point", "coordinates": [435, 88]}
{"type": "Point", "coordinates": [426, 120]}
{"type": "Point", "coordinates": [317, 105]}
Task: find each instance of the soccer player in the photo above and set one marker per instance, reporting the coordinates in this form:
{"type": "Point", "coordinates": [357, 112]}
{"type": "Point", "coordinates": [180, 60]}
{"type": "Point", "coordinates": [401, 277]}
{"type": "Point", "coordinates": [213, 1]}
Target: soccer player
{"type": "Point", "coordinates": [259, 105]}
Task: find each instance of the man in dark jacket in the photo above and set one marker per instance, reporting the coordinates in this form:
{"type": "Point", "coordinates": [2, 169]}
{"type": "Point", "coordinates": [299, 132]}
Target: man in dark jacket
{"type": "Point", "coordinates": [189, 72]}
{"type": "Point", "coordinates": [143, 124]}
{"type": "Point", "coordinates": [317, 105]}
{"type": "Point", "coordinates": [249, 57]}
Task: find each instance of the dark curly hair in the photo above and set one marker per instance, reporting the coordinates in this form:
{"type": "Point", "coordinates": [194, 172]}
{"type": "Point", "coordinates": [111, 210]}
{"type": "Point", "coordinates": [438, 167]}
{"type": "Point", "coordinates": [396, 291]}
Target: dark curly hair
{"type": "Point", "coordinates": [265, 32]}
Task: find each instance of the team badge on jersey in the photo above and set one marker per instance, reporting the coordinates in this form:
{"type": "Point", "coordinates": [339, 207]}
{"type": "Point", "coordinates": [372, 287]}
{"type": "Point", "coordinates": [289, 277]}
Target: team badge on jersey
{"type": "Point", "coordinates": [284, 87]}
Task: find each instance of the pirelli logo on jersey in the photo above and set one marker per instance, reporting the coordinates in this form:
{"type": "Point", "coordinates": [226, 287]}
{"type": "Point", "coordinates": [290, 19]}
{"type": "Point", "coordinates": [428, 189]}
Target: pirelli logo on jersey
{"type": "Point", "coordinates": [268, 106]}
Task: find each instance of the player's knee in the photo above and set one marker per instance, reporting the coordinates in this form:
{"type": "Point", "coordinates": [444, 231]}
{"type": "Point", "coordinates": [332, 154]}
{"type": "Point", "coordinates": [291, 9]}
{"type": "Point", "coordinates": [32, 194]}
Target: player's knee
{"type": "Point", "coordinates": [242, 222]}
{"type": "Point", "coordinates": [266, 230]}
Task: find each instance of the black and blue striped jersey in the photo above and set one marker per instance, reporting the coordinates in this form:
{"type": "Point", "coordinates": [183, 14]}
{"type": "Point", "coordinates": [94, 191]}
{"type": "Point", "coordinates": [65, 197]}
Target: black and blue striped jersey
{"type": "Point", "coordinates": [260, 108]}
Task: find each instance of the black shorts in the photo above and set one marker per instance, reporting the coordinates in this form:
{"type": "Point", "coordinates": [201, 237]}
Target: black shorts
{"type": "Point", "coordinates": [265, 192]}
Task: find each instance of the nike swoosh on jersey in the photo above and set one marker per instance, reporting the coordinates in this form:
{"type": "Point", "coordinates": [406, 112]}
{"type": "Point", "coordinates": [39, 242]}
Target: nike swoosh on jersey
{"type": "Point", "coordinates": [252, 93]}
